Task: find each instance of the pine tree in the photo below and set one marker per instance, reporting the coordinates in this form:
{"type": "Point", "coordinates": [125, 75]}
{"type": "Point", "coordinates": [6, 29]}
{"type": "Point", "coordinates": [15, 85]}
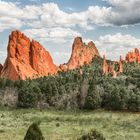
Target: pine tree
{"type": "Point", "coordinates": [34, 132]}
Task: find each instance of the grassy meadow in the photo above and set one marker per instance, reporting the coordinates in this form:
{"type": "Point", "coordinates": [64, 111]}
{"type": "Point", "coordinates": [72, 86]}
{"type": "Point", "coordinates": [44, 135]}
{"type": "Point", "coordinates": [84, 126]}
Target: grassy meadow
{"type": "Point", "coordinates": [69, 125]}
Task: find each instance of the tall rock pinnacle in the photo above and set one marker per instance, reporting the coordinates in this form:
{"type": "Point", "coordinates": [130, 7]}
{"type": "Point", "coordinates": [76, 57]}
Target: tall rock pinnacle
{"type": "Point", "coordinates": [81, 54]}
{"type": "Point", "coordinates": [26, 59]}
{"type": "Point", "coordinates": [120, 65]}
{"type": "Point", "coordinates": [105, 66]}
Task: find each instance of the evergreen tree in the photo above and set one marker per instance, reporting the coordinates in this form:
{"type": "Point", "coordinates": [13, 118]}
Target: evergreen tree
{"type": "Point", "coordinates": [34, 132]}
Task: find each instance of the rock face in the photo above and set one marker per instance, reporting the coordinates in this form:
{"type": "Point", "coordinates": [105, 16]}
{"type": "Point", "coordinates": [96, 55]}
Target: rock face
{"type": "Point", "coordinates": [120, 65]}
{"type": "Point", "coordinates": [109, 68]}
{"type": "Point", "coordinates": [106, 67]}
{"type": "Point", "coordinates": [26, 59]}
{"type": "Point", "coordinates": [1, 67]}
{"type": "Point", "coordinates": [133, 56]}
{"type": "Point", "coordinates": [81, 54]}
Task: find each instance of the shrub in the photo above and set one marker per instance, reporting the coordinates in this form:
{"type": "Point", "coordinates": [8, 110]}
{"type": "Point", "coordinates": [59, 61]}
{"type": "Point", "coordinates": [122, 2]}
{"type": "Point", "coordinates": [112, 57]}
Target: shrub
{"type": "Point", "coordinates": [34, 132]}
{"type": "Point", "coordinates": [134, 101]}
{"type": "Point", "coordinates": [92, 135]}
{"type": "Point", "coordinates": [115, 96]}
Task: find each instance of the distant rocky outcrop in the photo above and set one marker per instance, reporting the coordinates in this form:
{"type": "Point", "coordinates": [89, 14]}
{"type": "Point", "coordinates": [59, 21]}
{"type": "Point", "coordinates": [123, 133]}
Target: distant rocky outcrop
{"type": "Point", "coordinates": [81, 54]}
{"type": "Point", "coordinates": [106, 66]}
{"type": "Point", "coordinates": [120, 65]}
{"type": "Point", "coordinates": [110, 68]}
{"type": "Point", "coordinates": [26, 59]}
{"type": "Point", "coordinates": [133, 56]}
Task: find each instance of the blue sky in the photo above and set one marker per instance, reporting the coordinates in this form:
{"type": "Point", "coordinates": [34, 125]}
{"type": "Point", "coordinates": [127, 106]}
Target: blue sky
{"type": "Point", "coordinates": [114, 25]}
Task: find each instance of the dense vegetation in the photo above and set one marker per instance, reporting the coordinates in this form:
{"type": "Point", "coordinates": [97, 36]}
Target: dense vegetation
{"type": "Point", "coordinates": [72, 90]}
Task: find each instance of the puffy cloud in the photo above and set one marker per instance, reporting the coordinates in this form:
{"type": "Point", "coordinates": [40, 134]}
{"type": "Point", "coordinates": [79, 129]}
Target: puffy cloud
{"type": "Point", "coordinates": [124, 3]}
{"type": "Point", "coordinates": [8, 22]}
{"type": "Point", "coordinates": [120, 12]}
{"type": "Point", "coordinates": [14, 16]}
{"type": "Point", "coordinates": [9, 9]}
{"type": "Point", "coordinates": [124, 12]}
{"type": "Point", "coordinates": [54, 35]}
{"type": "Point", "coordinates": [14, 10]}
{"type": "Point", "coordinates": [52, 16]}
{"type": "Point", "coordinates": [49, 15]}
{"type": "Point", "coordinates": [115, 45]}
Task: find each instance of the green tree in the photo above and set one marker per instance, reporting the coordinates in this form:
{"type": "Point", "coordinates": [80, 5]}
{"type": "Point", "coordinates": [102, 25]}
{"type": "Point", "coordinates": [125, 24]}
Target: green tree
{"type": "Point", "coordinates": [34, 132]}
{"type": "Point", "coordinates": [93, 99]}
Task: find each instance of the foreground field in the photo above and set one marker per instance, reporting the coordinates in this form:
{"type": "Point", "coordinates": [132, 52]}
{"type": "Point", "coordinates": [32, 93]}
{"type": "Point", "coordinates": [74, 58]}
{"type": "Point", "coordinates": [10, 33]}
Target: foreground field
{"type": "Point", "coordinates": [65, 125]}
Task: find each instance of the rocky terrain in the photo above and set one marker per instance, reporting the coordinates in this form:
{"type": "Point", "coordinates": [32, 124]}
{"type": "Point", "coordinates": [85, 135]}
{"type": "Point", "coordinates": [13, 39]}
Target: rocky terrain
{"type": "Point", "coordinates": [81, 54]}
{"type": "Point", "coordinates": [133, 56]}
{"type": "Point", "coordinates": [29, 59]}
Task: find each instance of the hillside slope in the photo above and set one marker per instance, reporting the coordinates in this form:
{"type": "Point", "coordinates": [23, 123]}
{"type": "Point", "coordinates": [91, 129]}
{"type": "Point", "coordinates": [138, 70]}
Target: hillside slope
{"type": "Point", "coordinates": [85, 87]}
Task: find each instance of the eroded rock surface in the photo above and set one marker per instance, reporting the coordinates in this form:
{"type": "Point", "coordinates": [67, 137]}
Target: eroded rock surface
{"type": "Point", "coordinates": [81, 54]}
{"type": "Point", "coordinates": [133, 56]}
{"type": "Point", "coordinates": [26, 59]}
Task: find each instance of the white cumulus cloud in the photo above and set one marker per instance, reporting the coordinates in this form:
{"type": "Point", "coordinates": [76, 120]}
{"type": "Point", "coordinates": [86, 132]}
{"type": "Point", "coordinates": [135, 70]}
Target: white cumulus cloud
{"type": "Point", "coordinates": [115, 45]}
{"type": "Point", "coordinates": [120, 12]}
{"type": "Point", "coordinates": [55, 35]}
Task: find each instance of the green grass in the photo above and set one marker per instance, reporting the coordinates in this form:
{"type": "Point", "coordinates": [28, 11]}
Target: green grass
{"type": "Point", "coordinates": [66, 125]}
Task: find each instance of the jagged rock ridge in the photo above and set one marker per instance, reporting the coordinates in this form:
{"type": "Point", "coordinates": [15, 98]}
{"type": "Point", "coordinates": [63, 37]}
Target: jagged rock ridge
{"type": "Point", "coordinates": [26, 59]}
{"type": "Point", "coordinates": [110, 68]}
{"type": "Point", "coordinates": [81, 54]}
{"type": "Point", "coordinates": [133, 56]}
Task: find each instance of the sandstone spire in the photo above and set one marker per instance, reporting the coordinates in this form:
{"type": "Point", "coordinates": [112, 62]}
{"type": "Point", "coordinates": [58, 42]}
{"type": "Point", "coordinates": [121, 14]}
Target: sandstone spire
{"type": "Point", "coordinates": [120, 65]}
{"type": "Point", "coordinates": [105, 66]}
{"type": "Point", "coordinates": [133, 56]}
{"type": "Point", "coordinates": [81, 54]}
{"type": "Point", "coordinates": [26, 59]}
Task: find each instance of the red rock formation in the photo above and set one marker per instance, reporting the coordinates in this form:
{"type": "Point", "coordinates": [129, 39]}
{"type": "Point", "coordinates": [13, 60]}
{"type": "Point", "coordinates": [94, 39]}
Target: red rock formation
{"type": "Point", "coordinates": [81, 53]}
{"type": "Point", "coordinates": [63, 67]}
{"type": "Point", "coordinates": [1, 68]}
{"type": "Point", "coordinates": [26, 59]}
{"type": "Point", "coordinates": [139, 59]}
{"type": "Point", "coordinates": [109, 68]}
{"type": "Point", "coordinates": [120, 65]}
{"type": "Point", "coordinates": [114, 74]}
{"type": "Point", "coordinates": [106, 67]}
{"type": "Point", "coordinates": [41, 61]}
{"type": "Point", "coordinates": [133, 56]}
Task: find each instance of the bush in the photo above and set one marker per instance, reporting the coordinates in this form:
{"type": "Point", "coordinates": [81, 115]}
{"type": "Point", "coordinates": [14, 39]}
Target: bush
{"type": "Point", "coordinates": [34, 132]}
{"type": "Point", "coordinates": [115, 98]}
{"type": "Point", "coordinates": [92, 135]}
{"type": "Point", "coordinates": [29, 96]}
{"type": "Point", "coordinates": [134, 101]}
